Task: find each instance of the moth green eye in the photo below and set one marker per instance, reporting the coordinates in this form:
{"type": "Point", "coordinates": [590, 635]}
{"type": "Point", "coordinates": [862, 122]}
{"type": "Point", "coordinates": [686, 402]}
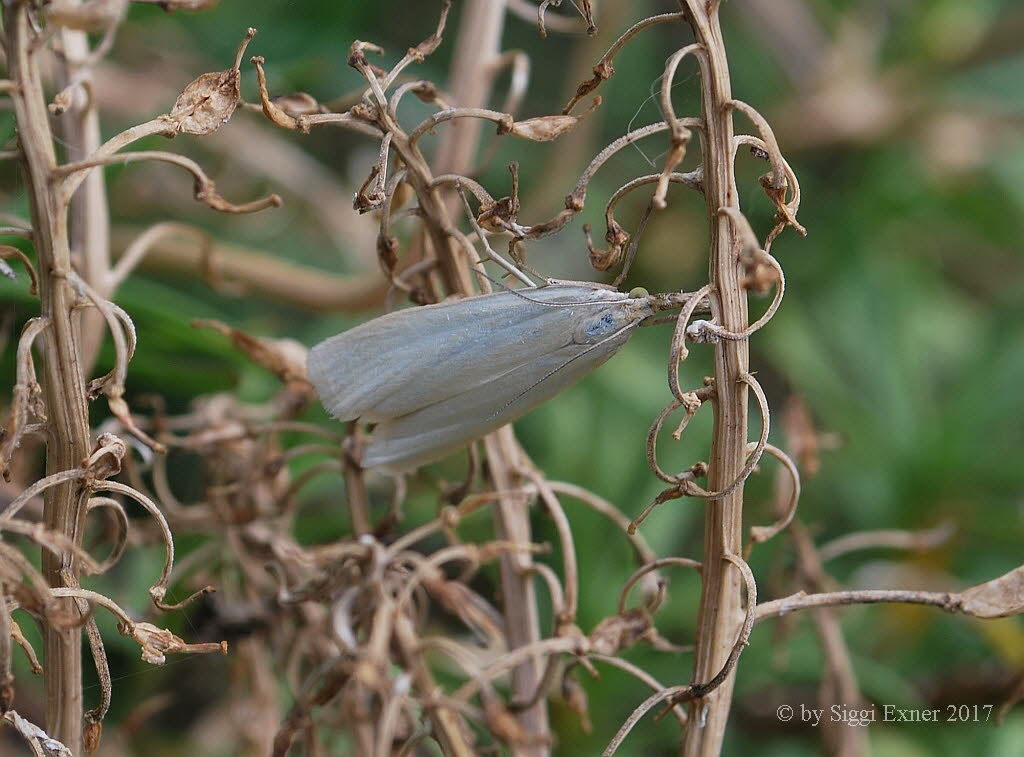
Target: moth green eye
{"type": "Point", "coordinates": [637, 293]}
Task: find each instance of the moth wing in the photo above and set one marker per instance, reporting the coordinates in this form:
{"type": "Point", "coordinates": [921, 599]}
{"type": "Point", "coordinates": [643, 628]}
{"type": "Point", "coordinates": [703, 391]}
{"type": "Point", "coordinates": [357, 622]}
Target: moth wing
{"type": "Point", "coordinates": [401, 362]}
{"type": "Point", "coordinates": [403, 443]}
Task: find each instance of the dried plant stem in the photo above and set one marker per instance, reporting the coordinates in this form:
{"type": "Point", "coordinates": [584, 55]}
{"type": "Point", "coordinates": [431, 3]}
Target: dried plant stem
{"type": "Point", "coordinates": [449, 729]}
{"type": "Point", "coordinates": [721, 606]}
{"type": "Point", "coordinates": [89, 217]}
{"type": "Point", "coordinates": [168, 248]}
{"type": "Point", "coordinates": [839, 680]}
{"type": "Point", "coordinates": [477, 47]}
{"type": "Point", "coordinates": [63, 384]}
{"type": "Point", "coordinates": [950, 602]}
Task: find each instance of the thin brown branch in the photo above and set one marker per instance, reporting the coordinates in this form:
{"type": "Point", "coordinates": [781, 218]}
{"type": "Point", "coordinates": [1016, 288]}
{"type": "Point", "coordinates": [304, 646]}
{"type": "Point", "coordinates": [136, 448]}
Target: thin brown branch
{"type": "Point", "coordinates": [26, 400]}
{"type": "Point", "coordinates": [761, 534]}
{"type": "Point", "coordinates": [642, 675]}
{"type": "Point", "coordinates": [654, 598]}
{"type": "Point", "coordinates": [643, 551]}
{"type": "Point", "coordinates": [888, 539]}
{"type": "Point", "coordinates": [1000, 597]}
{"type": "Point", "coordinates": [157, 126]}
{"type": "Point", "coordinates": [155, 642]}
{"type": "Point", "coordinates": [604, 69]}
{"type": "Point", "coordinates": [205, 189]}
{"type": "Point", "coordinates": [256, 271]}
{"type": "Point", "coordinates": [946, 601]}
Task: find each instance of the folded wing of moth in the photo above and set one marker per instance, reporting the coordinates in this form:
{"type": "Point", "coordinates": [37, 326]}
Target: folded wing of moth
{"type": "Point", "coordinates": [435, 378]}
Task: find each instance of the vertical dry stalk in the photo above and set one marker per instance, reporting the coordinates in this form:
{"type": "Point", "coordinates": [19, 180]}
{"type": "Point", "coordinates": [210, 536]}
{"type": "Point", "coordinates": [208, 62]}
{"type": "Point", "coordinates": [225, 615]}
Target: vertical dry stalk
{"type": "Point", "coordinates": [68, 345]}
{"type": "Point", "coordinates": [62, 379]}
{"type": "Point", "coordinates": [89, 224]}
{"type": "Point", "coordinates": [721, 606]}
{"type": "Point", "coordinates": [477, 49]}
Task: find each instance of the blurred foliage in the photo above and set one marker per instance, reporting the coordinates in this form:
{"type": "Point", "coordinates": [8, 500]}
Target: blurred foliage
{"type": "Point", "coordinates": [900, 328]}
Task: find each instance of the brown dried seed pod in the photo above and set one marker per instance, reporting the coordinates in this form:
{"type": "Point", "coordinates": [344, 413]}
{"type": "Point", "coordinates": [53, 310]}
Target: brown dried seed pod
{"type": "Point", "coordinates": [207, 102]}
{"type": "Point", "coordinates": [544, 128]}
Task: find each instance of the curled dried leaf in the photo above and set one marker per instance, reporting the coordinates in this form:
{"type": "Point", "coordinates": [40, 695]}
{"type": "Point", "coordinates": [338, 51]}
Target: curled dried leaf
{"type": "Point", "coordinates": [619, 632]}
{"type": "Point", "coordinates": [498, 215]}
{"type": "Point", "coordinates": [285, 358]}
{"type": "Point", "coordinates": [426, 91]}
{"type": "Point", "coordinates": [38, 740]}
{"type": "Point", "coordinates": [785, 213]}
{"type": "Point", "coordinates": [271, 109]}
{"type": "Point", "coordinates": [760, 277]}
{"type": "Point", "coordinates": [606, 259]}
{"type": "Point", "coordinates": [120, 410]}
{"type": "Point", "coordinates": [106, 457]}
{"type": "Point", "coordinates": [602, 72]}
{"type": "Point", "coordinates": [7, 252]}
{"type": "Point", "coordinates": [18, 637]}
{"type": "Point", "coordinates": [157, 643]}
{"type": "Point", "coordinates": [298, 104]}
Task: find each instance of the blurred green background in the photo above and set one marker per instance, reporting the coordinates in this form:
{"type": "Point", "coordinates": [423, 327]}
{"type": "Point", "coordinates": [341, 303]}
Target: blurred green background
{"type": "Point", "coordinates": [901, 327]}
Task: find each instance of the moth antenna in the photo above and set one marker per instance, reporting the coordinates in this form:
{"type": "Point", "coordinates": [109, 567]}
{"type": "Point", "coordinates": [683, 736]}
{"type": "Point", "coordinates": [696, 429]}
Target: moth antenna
{"type": "Point", "coordinates": [518, 293]}
{"type": "Point", "coordinates": [497, 282]}
{"type": "Point", "coordinates": [553, 371]}
{"type": "Point", "coordinates": [660, 320]}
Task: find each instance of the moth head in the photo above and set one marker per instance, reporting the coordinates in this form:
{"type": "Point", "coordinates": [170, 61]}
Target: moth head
{"type": "Point", "coordinates": [618, 318]}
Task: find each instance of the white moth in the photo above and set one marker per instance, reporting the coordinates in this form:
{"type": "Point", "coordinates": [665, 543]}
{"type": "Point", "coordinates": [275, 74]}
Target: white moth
{"type": "Point", "coordinates": [435, 378]}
